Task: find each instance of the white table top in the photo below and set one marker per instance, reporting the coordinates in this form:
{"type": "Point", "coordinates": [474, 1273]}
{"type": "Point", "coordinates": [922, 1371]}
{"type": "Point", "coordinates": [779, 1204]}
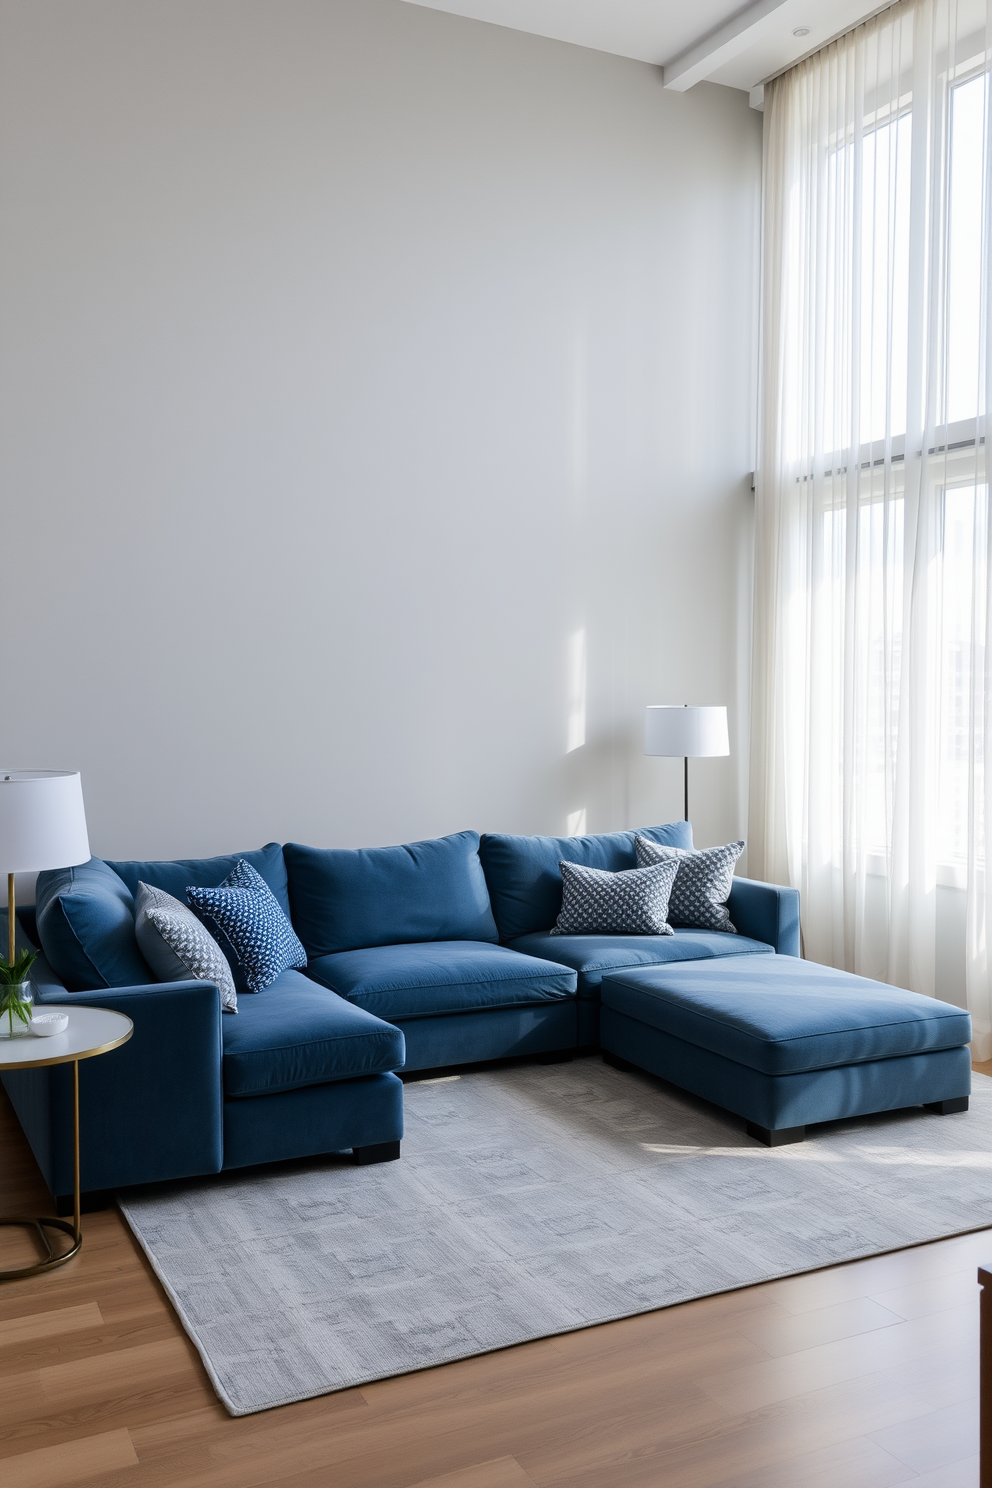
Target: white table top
{"type": "Point", "coordinates": [91, 1031]}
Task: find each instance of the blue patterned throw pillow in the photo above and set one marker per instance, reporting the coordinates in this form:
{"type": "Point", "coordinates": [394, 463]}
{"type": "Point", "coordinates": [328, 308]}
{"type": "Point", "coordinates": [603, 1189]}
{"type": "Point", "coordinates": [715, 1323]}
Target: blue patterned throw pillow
{"type": "Point", "coordinates": [631, 902]}
{"type": "Point", "coordinates": [702, 885]}
{"type": "Point", "coordinates": [248, 921]}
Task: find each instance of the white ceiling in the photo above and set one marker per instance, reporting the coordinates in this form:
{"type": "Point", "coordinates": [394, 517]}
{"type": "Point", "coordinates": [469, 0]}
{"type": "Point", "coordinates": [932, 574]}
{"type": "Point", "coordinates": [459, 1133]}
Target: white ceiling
{"type": "Point", "coordinates": [720, 40]}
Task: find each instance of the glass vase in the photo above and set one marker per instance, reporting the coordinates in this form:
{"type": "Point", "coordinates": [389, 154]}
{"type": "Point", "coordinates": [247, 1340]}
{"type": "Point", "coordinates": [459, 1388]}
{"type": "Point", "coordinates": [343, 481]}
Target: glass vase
{"type": "Point", "coordinates": [15, 1009]}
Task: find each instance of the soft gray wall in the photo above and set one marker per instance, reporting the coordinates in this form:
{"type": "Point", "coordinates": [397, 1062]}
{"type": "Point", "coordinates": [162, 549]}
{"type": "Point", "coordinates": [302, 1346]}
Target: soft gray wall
{"type": "Point", "coordinates": [354, 359]}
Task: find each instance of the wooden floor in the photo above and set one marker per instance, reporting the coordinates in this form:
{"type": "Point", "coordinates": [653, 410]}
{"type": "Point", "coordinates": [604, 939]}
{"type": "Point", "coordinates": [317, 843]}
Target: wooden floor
{"type": "Point", "coordinates": [863, 1376]}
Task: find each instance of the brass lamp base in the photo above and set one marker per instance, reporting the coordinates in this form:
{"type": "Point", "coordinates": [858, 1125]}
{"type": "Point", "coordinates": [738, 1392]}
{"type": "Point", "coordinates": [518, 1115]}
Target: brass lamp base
{"type": "Point", "coordinates": [52, 1258]}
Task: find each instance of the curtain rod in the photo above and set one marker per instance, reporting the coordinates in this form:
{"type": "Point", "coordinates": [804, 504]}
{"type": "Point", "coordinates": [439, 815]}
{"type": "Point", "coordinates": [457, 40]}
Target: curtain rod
{"type": "Point", "coordinates": [879, 9]}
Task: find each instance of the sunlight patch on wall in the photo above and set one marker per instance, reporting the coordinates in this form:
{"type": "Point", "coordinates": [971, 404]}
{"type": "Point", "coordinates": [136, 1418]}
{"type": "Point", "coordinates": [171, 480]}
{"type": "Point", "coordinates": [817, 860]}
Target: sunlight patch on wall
{"type": "Point", "coordinates": [576, 736]}
{"type": "Point", "coordinates": [575, 823]}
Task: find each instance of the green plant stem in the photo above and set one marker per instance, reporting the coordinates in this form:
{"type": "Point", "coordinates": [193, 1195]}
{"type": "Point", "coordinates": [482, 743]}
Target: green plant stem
{"type": "Point", "coordinates": [11, 1004]}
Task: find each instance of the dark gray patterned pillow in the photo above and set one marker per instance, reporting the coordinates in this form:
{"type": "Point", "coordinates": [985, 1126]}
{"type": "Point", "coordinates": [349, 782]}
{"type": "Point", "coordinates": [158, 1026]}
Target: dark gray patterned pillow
{"type": "Point", "coordinates": [702, 885]}
{"type": "Point", "coordinates": [633, 902]}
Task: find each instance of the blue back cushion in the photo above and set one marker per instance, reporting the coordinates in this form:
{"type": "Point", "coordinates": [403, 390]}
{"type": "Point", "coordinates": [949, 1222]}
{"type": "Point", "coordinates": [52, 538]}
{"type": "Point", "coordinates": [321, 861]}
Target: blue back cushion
{"type": "Point", "coordinates": [347, 899]}
{"type": "Point", "coordinates": [206, 873]}
{"type": "Point", "coordinates": [85, 915]}
{"type": "Point", "coordinates": [85, 919]}
{"type": "Point", "coordinates": [525, 881]}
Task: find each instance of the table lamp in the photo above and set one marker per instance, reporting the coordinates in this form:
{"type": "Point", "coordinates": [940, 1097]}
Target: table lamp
{"type": "Point", "coordinates": [42, 825]}
{"type": "Point", "coordinates": [693, 733]}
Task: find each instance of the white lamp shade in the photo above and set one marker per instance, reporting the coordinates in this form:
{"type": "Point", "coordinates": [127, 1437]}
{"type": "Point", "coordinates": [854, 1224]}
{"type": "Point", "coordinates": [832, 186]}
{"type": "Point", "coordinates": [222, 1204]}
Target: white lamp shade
{"type": "Point", "coordinates": [42, 821]}
{"type": "Point", "coordinates": [692, 732]}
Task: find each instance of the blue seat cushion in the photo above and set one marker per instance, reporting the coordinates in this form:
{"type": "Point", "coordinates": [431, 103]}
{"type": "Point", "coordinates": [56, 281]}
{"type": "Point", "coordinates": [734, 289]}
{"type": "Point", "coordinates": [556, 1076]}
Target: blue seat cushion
{"type": "Point", "coordinates": [596, 956]}
{"type": "Point", "coordinates": [85, 923]}
{"type": "Point", "coordinates": [783, 1016]}
{"type": "Point", "coordinates": [427, 979]}
{"type": "Point", "coordinates": [525, 881]}
{"type": "Point", "coordinates": [346, 899]}
{"type": "Point", "coordinates": [296, 1033]}
{"type": "Point", "coordinates": [176, 876]}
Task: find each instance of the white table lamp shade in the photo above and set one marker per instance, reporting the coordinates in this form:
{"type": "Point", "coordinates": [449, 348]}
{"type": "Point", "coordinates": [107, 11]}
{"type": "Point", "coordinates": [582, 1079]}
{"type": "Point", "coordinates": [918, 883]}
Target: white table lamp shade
{"type": "Point", "coordinates": [42, 821]}
{"type": "Point", "coordinates": [692, 733]}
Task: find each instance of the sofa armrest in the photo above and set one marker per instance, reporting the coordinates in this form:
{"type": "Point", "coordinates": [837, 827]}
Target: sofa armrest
{"type": "Point", "coordinates": [148, 1111]}
{"type": "Point", "coordinates": [766, 912]}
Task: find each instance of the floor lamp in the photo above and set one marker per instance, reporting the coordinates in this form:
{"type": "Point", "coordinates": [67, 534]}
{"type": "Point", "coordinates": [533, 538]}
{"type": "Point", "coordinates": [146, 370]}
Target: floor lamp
{"type": "Point", "coordinates": [692, 733]}
{"type": "Point", "coordinates": [42, 825]}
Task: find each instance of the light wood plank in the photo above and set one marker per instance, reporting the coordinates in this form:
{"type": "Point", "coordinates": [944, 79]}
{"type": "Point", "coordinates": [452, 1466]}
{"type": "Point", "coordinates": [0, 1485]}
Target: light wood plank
{"type": "Point", "coordinates": [935, 1440]}
{"type": "Point", "coordinates": [55, 1324]}
{"type": "Point", "coordinates": [71, 1462]}
{"type": "Point", "coordinates": [957, 1475]}
{"type": "Point", "coordinates": [740, 1390]}
{"type": "Point", "coordinates": [396, 1448]}
{"type": "Point", "coordinates": [637, 1453]}
{"type": "Point", "coordinates": [933, 1294]}
{"type": "Point", "coordinates": [793, 1332]}
{"type": "Point", "coordinates": [856, 1463]}
{"type": "Point", "coordinates": [504, 1473]}
{"type": "Point", "coordinates": [121, 1371]}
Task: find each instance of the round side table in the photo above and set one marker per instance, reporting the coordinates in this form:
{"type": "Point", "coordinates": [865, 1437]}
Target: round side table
{"type": "Point", "coordinates": [91, 1031]}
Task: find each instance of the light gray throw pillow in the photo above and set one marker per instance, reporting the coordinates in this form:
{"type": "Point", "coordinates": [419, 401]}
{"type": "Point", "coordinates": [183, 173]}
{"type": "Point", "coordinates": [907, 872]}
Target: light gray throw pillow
{"type": "Point", "coordinates": [632, 902]}
{"type": "Point", "coordinates": [178, 946]}
{"type": "Point", "coordinates": [702, 884]}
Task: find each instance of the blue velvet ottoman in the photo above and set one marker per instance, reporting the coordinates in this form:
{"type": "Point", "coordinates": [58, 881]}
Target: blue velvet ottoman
{"type": "Point", "coordinates": [787, 1043]}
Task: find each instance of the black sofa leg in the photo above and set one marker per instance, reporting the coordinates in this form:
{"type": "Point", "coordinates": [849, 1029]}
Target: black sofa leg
{"type": "Point", "coordinates": [556, 1056]}
{"type": "Point", "coordinates": [378, 1152]}
{"type": "Point", "coordinates": [780, 1138]}
{"type": "Point", "coordinates": [89, 1203]}
{"type": "Point", "coordinates": [948, 1107]}
{"type": "Point", "coordinates": [616, 1062]}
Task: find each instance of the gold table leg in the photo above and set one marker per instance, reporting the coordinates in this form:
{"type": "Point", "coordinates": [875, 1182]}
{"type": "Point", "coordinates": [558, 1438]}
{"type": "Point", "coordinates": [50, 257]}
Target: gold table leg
{"type": "Point", "coordinates": [40, 1226]}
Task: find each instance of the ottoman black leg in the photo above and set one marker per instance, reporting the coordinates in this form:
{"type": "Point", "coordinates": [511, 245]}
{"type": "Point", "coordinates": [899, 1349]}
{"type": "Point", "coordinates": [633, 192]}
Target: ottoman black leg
{"type": "Point", "coordinates": [780, 1138]}
{"type": "Point", "coordinates": [948, 1107]}
{"type": "Point", "coordinates": [378, 1152]}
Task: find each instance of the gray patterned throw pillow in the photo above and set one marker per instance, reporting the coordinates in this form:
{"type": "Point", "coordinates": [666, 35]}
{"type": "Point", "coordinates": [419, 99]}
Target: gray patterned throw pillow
{"type": "Point", "coordinates": [633, 902]}
{"type": "Point", "coordinates": [702, 885]}
{"type": "Point", "coordinates": [177, 946]}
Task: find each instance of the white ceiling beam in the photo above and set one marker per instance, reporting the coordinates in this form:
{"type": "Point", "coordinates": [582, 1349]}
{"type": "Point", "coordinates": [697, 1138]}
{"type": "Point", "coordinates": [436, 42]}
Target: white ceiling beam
{"type": "Point", "coordinates": [722, 45]}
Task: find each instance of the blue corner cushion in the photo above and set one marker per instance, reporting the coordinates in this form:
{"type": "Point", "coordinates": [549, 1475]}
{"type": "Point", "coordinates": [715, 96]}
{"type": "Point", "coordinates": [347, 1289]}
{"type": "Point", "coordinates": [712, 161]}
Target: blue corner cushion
{"type": "Point", "coordinates": [296, 1033]}
{"type": "Point", "coordinates": [596, 956]}
{"type": "Point", "coordinates": [429, 979]}
{"type": "Point", "coordinates": [207, 873]}
{"type": "Point", "coordinates": [525, 881]}
{"type": "Point", "coordinates": [782, 1016]}
{"type": "Point", "coordinates": [85, 921]}
{"type": "Point", "coordinates": [344, 899]}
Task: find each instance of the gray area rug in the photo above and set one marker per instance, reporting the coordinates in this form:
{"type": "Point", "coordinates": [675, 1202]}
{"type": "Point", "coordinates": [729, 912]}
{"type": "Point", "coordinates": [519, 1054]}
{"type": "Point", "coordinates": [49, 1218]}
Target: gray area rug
{"type": "Point", "coordinates": [532, 1201]}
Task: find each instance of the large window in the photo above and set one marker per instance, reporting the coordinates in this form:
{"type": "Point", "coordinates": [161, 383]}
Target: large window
{"type": "Point", "coordinates": [871, 722]}
{"type": "Point", "coordinates": [856, 655]}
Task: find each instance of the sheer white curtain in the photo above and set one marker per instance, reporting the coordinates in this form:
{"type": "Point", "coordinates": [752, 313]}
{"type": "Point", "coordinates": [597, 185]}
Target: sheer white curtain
{"type": "Point", "coordinates": [871, 719]}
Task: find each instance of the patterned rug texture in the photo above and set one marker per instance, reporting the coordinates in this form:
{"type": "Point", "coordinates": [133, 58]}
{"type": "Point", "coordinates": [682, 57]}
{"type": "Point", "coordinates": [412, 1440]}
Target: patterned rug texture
{"type": "Point", "coordinates": [530, 1201]}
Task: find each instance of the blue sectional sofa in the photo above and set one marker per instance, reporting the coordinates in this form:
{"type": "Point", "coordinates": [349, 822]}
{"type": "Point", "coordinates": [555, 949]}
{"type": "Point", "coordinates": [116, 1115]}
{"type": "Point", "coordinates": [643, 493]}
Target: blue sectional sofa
{"type": "Point", "coordinates": [419, 957]}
